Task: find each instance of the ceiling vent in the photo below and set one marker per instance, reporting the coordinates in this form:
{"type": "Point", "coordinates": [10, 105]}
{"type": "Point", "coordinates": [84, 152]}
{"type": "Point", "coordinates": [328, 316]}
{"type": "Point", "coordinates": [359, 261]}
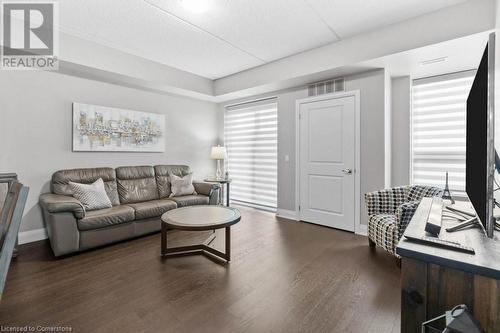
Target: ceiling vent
{"type": "Point", "coordinates": [326, 87]}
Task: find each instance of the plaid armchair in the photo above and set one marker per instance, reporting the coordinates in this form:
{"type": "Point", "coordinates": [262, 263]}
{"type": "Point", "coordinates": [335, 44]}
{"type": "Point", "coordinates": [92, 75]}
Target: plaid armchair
{"type": "Point", "coordinates": [390, 211]}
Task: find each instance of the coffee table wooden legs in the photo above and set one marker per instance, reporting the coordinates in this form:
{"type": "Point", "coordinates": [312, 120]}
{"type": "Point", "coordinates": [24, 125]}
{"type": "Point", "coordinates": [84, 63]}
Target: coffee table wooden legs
{"type": "Point", "coordinates": [203, 248]}
{"type": "Point", "coordinates": [163, 251]}
{"type": "Point", "coordinates": [228, 242]}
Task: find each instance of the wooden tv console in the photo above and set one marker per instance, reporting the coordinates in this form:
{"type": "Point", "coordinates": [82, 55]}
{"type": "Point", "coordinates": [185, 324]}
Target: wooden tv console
{"type": "Point", "coordinates": [434, 280]}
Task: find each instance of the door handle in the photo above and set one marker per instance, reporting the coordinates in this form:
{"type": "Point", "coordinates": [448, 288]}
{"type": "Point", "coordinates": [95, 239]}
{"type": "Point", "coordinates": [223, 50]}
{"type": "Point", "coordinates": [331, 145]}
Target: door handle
{"type": "Point", "coordinates": [347, 171]}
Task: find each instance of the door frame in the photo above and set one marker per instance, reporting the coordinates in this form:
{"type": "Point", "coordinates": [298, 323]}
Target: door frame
{"type": "Point", "coordinates": [358, 228]}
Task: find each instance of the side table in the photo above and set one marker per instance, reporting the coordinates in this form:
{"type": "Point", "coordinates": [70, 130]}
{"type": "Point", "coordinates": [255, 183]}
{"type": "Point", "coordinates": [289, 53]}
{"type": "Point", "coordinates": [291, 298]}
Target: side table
{"type": "Point", "coordinates": [222, 182]}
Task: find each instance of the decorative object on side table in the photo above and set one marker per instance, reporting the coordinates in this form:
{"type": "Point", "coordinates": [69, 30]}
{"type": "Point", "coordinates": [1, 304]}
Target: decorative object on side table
{"type": "Point", "coordinates": [222, 182]}
{"type": "Point", "coordinates": [218, 153]}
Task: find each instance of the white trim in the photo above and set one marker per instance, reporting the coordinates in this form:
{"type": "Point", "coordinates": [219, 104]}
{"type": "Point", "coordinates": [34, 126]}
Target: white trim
{"type": "Point", "coordinates": [32, 236]}
{"type": "Point", "coordinates": [251, 205]}
{"type": "Point", "coordinates": [358, 228]}
{"type": "Point", "coordinates": [411, 130]}
{"type": "Point", "coordinates": [287, 214]}
{"type": "Point", "coordinates": [362, 230]}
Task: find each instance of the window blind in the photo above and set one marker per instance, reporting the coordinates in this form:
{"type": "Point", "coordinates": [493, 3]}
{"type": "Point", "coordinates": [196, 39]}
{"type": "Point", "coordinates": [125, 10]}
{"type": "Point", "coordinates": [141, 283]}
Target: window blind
{"type": "Point", "coordinates": [251, 140]}
{"type": "Point", "coordinates": [439, 129]}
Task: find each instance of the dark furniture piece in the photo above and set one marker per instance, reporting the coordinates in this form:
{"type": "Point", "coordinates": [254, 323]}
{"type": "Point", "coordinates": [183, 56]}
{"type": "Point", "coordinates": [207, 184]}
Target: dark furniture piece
{"type": "Point", "coordinates": [10, 221]}
{"type": "Point", "coordinates": [222, 182]}
{"type": "Point", "coordinates": [390, 211]}
{"type": "Point", "coordinates": [8, 179]}
{"type": "Point", "coordinates": [199, 218]}
{"type": "Point", "coordinates": [435, 279]}
{"type": "Point", "coordinates": [139, 195]}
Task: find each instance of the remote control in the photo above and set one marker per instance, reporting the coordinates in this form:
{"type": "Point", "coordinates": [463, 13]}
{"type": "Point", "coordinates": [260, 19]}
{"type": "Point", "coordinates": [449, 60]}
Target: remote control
{"type": "Point", "coordinates": [455, 246]}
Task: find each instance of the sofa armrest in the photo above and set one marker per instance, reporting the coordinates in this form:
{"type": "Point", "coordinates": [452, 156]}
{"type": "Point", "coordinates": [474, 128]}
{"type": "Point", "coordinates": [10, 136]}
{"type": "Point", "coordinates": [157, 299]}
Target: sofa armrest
{"type": "Point", "coordinates": [55, 203]}
{"type": "Point", "coordinates": [404, 214]}
{"type": "Point", "coordinates": [63, 232]}
{"type": "Point", "coordinates": [209, 189]}
{"type": "Point", "coordinates": [204, 187]}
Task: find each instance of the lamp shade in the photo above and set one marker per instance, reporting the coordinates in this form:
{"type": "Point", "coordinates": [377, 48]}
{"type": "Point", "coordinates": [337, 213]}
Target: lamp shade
{"type": "Point", "coordinates": [218, 153]}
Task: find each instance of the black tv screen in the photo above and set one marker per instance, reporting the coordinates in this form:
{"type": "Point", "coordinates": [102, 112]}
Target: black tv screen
{"type": "Point", "coordinates": [477, 141]}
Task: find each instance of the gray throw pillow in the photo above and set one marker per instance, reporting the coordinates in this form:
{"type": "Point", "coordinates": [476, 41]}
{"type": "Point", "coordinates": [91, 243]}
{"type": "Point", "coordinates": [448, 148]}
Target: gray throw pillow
{"type": "Point", "coordinates": [181, 185]}
{"type": "Point", "coordinates": [92, 196]}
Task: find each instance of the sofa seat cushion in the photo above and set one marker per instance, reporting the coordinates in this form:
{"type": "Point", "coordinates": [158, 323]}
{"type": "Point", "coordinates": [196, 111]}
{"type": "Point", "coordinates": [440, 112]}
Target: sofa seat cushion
{"type": "Point", "coordinates": [153, 208]}
{"type": "Point", "coordinates": [106, 217]}
{"type": "Point", "coordinates": [191, 200]}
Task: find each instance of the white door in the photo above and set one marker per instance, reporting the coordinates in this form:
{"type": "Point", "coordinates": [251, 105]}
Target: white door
{"type": "Point", "coordinates": [327, 144]}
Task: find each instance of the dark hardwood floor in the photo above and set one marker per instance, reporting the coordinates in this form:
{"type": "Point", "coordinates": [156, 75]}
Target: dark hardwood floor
{"type": "Point", "coordinates": [285, 276]}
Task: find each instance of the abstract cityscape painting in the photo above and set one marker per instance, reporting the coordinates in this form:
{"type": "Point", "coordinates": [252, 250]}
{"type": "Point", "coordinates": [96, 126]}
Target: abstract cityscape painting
{"type": "Point", "coordinates": [100, 128]}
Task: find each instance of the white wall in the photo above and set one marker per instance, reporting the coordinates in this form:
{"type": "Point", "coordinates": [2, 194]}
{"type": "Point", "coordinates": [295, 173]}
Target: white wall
{"type": "Point", "coordinates": [497, 75]}
{"type": "Point", "coordinates": [401, 107]}
{"type": "Point", "coordinates": [36, 122]}
{"type": "Point", "coordinates": [372, 87]}
{"type": "Point", "coordinates": [388, 129]}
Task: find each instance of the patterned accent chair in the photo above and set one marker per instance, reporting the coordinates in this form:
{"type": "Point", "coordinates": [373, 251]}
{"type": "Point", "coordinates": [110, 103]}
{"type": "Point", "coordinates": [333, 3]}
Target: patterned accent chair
{"type": "Point", "coordinates": [390, 211]}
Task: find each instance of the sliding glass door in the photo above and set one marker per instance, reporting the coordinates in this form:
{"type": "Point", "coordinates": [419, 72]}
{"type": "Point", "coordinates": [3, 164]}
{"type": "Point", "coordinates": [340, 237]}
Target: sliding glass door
{"type": "Point", "coordinates": [251, 139]}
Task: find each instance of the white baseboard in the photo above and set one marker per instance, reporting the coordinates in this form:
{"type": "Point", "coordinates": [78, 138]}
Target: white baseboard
{"type": "Point", "coordinates": [287, 214]}
{"type": "Point", "coordinates": [362, 230]}
{"type": "Point", "coordinates": [32, 236]}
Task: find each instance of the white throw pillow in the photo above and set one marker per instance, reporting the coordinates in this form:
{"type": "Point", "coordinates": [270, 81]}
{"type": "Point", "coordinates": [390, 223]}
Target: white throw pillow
{"type": "Point", "coordinates": [181, 185]}
{"type": "Point", "coordinates": [92, 196]}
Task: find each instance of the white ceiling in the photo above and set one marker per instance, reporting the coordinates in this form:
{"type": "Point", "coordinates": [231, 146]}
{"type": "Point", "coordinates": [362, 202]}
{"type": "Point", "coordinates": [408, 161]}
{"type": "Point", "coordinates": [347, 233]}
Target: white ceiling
{"type": "Point", "coordinates": [458, 55]}
{"type": "Point", "coordinates": [231, 35]}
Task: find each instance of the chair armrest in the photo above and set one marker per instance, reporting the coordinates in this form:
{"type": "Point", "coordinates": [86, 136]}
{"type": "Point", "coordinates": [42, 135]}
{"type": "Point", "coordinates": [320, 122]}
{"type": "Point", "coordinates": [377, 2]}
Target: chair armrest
{"type": "Point", "coordinates": [205, 188]}
{"type": "Point", "coordinates": [404, 214]}
{"type": "Point", "coordinates": [55, 203]}
{"type": "Point", "coordinates": [385, 201]}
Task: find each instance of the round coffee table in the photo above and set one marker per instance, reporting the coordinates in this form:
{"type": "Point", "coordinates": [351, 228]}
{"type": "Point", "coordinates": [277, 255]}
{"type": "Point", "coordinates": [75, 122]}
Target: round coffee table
{"type": "Point", "coordinates": [199, 218]}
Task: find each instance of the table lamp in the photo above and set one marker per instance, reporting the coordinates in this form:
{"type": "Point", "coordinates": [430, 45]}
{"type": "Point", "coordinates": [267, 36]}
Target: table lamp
{"type": "Point", "coordinates": [218, 153]}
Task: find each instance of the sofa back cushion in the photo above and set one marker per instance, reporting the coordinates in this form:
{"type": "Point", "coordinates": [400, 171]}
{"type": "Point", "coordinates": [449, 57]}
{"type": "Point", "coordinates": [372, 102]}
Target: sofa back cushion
{"type": "Point", "coordinates": [417, 192]}
{"type": "Point", "coordinates": [92, 196]}
{"type": "Point", "coordinates": [136, 184]}
{"type": "Point", "coordinates": [162, 177]}
{"type": "Point", "coordinates": [60, 181]}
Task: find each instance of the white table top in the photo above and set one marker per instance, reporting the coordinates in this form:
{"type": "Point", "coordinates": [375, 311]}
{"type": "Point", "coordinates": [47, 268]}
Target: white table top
{"type": "Point", "coordinates": [203, 217]}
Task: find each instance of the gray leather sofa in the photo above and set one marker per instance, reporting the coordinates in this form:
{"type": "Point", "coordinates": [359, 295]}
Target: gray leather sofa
{"type": "Point", "coordinates": [139, 194]}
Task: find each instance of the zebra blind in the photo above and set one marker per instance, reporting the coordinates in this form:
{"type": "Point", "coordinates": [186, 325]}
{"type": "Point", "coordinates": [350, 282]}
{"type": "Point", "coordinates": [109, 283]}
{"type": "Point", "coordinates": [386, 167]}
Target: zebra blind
{"type": "Point", "coordinates": [251, 140]}
{"type": "Point", "coordinates": [439, 129]}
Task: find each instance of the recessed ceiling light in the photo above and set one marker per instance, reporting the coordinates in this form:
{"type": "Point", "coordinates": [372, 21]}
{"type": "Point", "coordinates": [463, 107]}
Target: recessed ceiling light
{"type": "Point", "coordinates": [433, 61]}
{"type": "Point", "coordinates": [196, 6]}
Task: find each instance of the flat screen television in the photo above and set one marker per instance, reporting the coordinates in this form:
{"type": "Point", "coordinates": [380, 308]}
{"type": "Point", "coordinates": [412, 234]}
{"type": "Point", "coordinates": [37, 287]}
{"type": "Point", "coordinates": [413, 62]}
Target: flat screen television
{"type": "Point", "coordinates": [480, 147]}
